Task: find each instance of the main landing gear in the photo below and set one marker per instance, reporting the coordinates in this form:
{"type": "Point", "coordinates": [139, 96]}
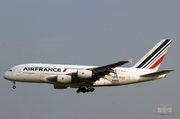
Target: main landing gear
{"type": "Point", "coordinates": [85, 89]}
{"type": "Point", "coordinates": [14, 85]}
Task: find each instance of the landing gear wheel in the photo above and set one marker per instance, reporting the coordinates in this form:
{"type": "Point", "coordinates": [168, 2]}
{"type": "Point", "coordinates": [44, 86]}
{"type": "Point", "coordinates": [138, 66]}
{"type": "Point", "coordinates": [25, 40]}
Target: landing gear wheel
{"type": "Point", "coordinates": [85, 89]}
{"type": "Point", "coordinates": [78, 91]}
{"type": "Point", "coordinates": [14, 87]}
{"type": "Point", "coordinates": [92, 89]}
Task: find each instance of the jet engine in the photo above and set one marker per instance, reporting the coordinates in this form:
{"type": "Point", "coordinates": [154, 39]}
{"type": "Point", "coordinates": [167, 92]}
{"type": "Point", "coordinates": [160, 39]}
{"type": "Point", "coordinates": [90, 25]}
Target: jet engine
{"type": "Point", "coordinates": [84, 74]}
{"type": "Point", "coordinates": [64, 79]}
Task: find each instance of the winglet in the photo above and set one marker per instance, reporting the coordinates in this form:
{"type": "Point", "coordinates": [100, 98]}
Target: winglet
{"type": "Point", "coordinates": [131, 60]}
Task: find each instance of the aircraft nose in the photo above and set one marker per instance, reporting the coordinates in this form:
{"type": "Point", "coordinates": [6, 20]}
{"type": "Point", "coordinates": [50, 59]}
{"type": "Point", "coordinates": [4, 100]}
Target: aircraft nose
{"type": "Point", "coordinates": [6, 75]}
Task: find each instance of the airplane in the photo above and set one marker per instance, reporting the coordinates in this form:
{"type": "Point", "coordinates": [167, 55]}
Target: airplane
{"type": "Point", "coordinates": [86, 78]}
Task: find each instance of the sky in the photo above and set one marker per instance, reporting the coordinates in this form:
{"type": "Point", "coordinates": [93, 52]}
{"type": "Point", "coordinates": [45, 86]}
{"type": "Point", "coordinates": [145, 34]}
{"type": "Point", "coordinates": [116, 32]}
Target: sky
{"type": "Point", "coordinates": [87, 32]}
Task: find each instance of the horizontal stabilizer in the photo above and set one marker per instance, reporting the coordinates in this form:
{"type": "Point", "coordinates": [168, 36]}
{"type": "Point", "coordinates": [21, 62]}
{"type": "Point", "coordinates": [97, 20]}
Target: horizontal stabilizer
{"type": "Point", "coordinates": [158, 73]}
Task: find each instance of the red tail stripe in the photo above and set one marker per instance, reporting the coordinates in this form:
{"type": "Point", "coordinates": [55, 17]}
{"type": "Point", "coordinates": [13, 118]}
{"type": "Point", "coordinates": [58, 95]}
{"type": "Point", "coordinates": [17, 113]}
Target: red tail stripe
{"type": "Point", "coordinates": [157, 62]}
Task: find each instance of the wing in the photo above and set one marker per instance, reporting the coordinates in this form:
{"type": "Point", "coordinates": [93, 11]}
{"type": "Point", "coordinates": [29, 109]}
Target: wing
{"type": "Point", "coordinates": [99, 72]}
{"type": "Point", "coordinates": [110, 66]}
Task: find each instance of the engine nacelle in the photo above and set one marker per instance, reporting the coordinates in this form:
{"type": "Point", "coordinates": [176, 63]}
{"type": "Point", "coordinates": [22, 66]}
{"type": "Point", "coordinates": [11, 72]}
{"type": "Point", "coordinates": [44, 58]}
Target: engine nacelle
{"type": "Point", "coordinates": [84, 74]}
{"type": "Point", "coordinates": [64, 79]}
{"type": "Point", "coordinates": [58, 86]}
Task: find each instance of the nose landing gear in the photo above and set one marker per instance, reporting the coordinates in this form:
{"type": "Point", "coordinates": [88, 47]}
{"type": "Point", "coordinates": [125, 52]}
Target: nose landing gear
{"type": "Point", "coordinates": [85, 89]}
{"type": "Point", "coordinates": [14, 85]}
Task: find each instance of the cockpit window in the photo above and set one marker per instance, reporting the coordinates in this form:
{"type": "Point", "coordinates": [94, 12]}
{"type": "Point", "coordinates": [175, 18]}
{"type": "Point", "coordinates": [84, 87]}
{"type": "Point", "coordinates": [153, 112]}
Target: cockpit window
{"type": "Point", "coordinates": [10, 70]}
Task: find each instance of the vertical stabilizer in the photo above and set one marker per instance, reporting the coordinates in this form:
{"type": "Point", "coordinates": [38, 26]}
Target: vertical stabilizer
{"type": "Point", "coordinates": [153, 59]}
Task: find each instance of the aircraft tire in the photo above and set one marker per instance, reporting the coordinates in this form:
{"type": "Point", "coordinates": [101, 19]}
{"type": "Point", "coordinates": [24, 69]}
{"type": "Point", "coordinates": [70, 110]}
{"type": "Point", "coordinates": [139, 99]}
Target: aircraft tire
{"type": "Point", "coordinates": [92, 89]}
{"type": "Point", "coordinates": [14, 87]}
{"type": "Point", "coordinates": [78, 91]}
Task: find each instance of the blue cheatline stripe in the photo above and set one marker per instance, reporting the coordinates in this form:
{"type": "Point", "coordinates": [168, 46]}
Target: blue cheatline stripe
{"type": "Point", "coordinates": [152, 54]}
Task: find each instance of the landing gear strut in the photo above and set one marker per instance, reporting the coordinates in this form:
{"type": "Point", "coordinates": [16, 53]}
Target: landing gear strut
{"type": "Point", "coordinates": [14, 85]}
{"type": "Point", "coordinates": [85, 89]}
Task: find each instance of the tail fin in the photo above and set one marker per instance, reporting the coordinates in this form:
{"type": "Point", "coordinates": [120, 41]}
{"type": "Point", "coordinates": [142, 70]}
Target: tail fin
{"type": "Point", "coordinates": [153, 59]}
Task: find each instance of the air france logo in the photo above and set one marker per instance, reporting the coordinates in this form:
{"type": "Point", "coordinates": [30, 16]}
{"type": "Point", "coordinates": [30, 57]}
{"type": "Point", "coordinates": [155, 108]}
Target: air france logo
{"type": "Point", "coordinates": [48, 69]}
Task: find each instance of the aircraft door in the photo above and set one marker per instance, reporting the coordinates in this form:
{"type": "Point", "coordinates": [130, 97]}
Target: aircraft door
{"type": "Point", "coordinates": [118, 74]}
{"type": "Point", "coordinates": [127, 77]}
{"type": "Point", "coordinates": [41, 73]}
{"type": "Point", "coordinates": [18, 71]}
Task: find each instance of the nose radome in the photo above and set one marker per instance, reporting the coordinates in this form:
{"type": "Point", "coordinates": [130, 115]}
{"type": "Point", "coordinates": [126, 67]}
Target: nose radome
{"type": "Point", "coordinates": [6, 74]}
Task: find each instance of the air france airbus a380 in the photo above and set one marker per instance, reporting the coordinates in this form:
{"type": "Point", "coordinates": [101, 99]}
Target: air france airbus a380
{"type": "Point", "coordinates": [85, 78]}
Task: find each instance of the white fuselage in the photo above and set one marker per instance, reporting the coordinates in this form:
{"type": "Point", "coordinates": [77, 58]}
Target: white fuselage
{"type": "Point", "coordinates": [38, 73]}
{"type": "Point", "coordinates": [85, 78]}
